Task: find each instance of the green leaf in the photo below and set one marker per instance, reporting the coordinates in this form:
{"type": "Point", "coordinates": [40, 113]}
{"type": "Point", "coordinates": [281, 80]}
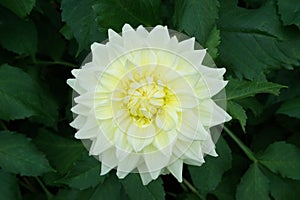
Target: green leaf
{"type": "Point", "coordinates": [19, 7]}
{"type": "Point", "coordinates": [213, 42]}
{"type": "Point", "coordinates": [9, 189]}
{"type": "Point", "coordinates": [237, 89]}
{"type": "Point", "coordinates": [237, 112]}
{"type": "Point", "coordinates": [282, 158]}
{"type": "Point", "coordinates": [17, 35]}
{"type": "Point", "coordinates": [80, 17]}
{"type": "Point", "coordinates": [254, 185]}
{"type": "Point", "coordinates": [289, 12]}
{"type": "Point", "coordinates": [119, 12]}
{"type": "Point", "coordinates": [283, 188]}
{"type": "Point", "coordinates": [18, 96]}
{"type": "Point", "coordinates": [290, 108]}
{"type": "Point", "coordinates": [109, 190]}
{"type": "Point", "coordinates": [252, 104]}
{"type": "Point", "coordinates": [18, 155]}
{"type": "Point", "coordinates": [253, 41]}
{"type": "Point", "coordinates": [198, 18]}
{"type": "Point", "coordinates": [135, 189]}
{"type": "Point", "coordinates": [84, 174]}
{"type": "Point", "coordinates": [61, 152]}
{"type": "Point", "coordinates": [22, 97]}
{"type": "Point", "coordinates": [208, 176]}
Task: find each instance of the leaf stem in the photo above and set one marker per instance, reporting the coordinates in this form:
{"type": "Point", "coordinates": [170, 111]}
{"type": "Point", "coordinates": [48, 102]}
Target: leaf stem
{"type": "Point", "coordinates": [40, 62]}
{"type": "Point", "coordinates": [193, 189]}
{"type": "Point", "coordinates": [27, 186]}
{"type": "Point", "coordinates": [245, 149]}
{"type": "Point", "coordinates": [2, 125]}
{"type": "Point", "coordinates": [48, 194]}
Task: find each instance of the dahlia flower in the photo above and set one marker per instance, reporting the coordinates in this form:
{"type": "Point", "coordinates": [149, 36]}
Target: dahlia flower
{"type": "Point", "coordinates": [145, 103]}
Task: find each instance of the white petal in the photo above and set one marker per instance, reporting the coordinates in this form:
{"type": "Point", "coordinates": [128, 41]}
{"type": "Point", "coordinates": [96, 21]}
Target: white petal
{"type": "Point", "coordinates": [103, 111]}
{"type": "Point", "coordinates": [194, 154]}
{"type": "Point", "coordinates": [132, 41]}
{"type": "Point", "coordinates": [75, 86]}
{"type": "Point", "coordinates": [81, 110]}
{"type": "Point", "coordinates": [176, 169]}
{"type": "Point", "coordinates": [187, 99]}
{"type": "Point", "coordinates": [100, 144]}
{"type": "Point", "coordinates": [100, 55]}
{"type": "Point", "coordinates": [146, 178]}
{"type": "Point", "coordinates": [167, 119]}
{"type": "Point", "coordinates": [164, 141]}
{"type": "Point", "coordinates": [114, 37]}
{"type": "Point", "coordinates": [139, 138]}
{"type": "Point", "coordinates": [186, 45]}
{"type": "Point", "coordinates": [191, 126]}
{"type": "Point", "coordinates": [78, 122]}
{"type": "Point", "coordinates": [156, 161]}
{"type": "Point", "coordinates": [195, 57]}
{"type": "Point", "coordinates": [89, 130]}
{"type": "Point", "coordinates": [86, 99]}
{"type": "Point", "coordinates": [159, 36]}
{"type": "Point", "coordinates": [108, 160]}
{"type": "Point", "coordinates": [212, 72]}
{"type": "Point", "coordinates": [208, 147]}
{"type": "Point", "coordinates": [208, 87]}
{"type": "Point", "coordinates": [211, 113]}
{"type": "Point", "coordinates": [123, 148]}
{"type": "Point", "coordinates": [142, 32]}
{"type": "Point", "coordinates": [127, 165]}
{"type": "Point", "coordinates": [144, 58]}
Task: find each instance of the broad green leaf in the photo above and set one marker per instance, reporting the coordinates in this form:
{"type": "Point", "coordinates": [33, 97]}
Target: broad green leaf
{"type": "Point", "coordinates": [198, 18]}
{"type": "Point", "coordinates": [252, 104]}
{"type": "Point", "coordinates": [119, 12]}
{"type": "Point", "coordinates": [236, 111]}
{"type": "Point", "coordinates": [254, 185]}
{"type": "Point", "coordinates": [22, 97]}
{"type": "Point", "coordinates": [226, 189]}
{"type": "Point", "coordinates": [109, 190]}
{"type": "Point", "coordinates": [289, 12]}
{"type": "Point", "coordinates": [84, 174]}
{"type": "Point", "coordinates": [283, 188]}
{"type": "Point", "coordinates": [17, 35]}
{"type": "Point", "coordinates": [80, 17]}
{"type": "Point", "coordinates": [282, 158]}
{"type": "Point", "coordinates": [237, 89]}
{"type": "Point", "coordinates": [213, 42]}
{"type": "Point", "coordinates": [61, 152]}
{"type": "Point", "coordinates": [19, 98]}
{"type": "Point", "coordinates": [208, 176]}
{"type": "Point", "coordinates": [291, 108]}
{"type": "Point", "coordinates": [9, 189]}
{"type": "Point", "coordinates": [135, 190]}
{"type": "Point", "coordinates": [253, 42]}
{"type": "Point", "coordinates": [19, 7]}
{"type": "Point", "coordinates": [18, 155]}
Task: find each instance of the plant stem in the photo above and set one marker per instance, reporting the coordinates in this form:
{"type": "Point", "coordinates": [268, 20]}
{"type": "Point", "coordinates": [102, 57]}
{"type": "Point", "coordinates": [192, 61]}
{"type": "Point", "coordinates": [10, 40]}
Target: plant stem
{"type": "Point", "coordinates": [56, 63]}
{"type": "Point", "coordinates": [48, 194]}
{"type": "Point", "coordinates": [2, 125]}
{"type": "Point", "coordinates": [193, 189]}
{"type": "Point", "coordinates": [246, 150]}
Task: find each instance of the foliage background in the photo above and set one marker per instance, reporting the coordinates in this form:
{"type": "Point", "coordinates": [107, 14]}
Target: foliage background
{"type": "Point", "coordinates": [258, 41]}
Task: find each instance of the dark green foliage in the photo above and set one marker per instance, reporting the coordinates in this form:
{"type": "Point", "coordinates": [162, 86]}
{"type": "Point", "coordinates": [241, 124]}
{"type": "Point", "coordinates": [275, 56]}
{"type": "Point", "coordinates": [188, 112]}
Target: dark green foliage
{"type": "Point", "coordinates": [257, 41]}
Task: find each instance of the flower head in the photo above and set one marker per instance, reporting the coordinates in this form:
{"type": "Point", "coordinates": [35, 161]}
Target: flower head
{"type": "Point", "coordinates": [145, 103]}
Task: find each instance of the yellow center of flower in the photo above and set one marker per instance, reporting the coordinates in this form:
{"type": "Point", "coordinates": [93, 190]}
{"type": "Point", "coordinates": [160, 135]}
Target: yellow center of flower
{"type": "Point", "coordinates": [145, 100]}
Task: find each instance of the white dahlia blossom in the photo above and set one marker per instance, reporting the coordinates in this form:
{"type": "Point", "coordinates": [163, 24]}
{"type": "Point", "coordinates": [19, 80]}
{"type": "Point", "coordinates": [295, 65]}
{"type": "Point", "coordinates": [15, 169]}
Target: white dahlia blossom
{"type": "Point", "coordinates": [145, 103]}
